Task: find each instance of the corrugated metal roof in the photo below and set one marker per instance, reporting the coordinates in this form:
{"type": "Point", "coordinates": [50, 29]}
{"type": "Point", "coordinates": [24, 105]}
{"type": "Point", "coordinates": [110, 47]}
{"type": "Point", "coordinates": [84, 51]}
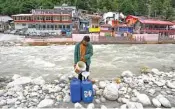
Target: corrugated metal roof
{"type": "Point", "coordinates": [5, 18]}
{"type": "Point", "coordinates": [158, 22]}
{"type": "Point", "coordinates": [23, 15]}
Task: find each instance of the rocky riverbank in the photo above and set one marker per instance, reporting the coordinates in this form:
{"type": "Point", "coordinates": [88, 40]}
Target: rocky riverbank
{"type": "Point", "coordinates": [151, 89]}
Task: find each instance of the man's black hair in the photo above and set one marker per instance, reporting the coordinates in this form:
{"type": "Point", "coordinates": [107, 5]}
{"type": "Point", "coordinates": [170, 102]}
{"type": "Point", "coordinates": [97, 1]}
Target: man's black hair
{"type": "Point", "coordinates": [86, 38]}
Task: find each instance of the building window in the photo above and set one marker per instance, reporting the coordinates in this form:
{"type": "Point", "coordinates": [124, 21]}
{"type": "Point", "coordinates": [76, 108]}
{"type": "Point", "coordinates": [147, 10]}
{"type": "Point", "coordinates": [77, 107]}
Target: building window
{"type": "Point", "coordinates": [47, 18]}
{"type": "Point", "coordinates": [52, 27]}
{"type": "Point", "coordinates": [44, 27]}
{"type": "Point", "coordinates": [68, 26]}
{"type": "Point", "coordinates": [33, 26]}
{"type": "Point", "coordinates": [56, 27]}
{"type": "Point", "coordinates": [65, 18]}
{"type": "Point", "coordinates": [60, 26]}
{"type": "Point", "coordinates": [30, 26]}
{"type": "Point", "coordinates": [64, 26]}
{"type": "Point", "coordinates": [23, 24]}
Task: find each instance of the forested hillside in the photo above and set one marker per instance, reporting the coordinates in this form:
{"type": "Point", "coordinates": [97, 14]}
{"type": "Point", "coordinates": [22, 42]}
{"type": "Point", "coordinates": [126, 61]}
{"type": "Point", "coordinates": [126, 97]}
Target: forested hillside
{"type": "Point", "coordinates": [164, 9]}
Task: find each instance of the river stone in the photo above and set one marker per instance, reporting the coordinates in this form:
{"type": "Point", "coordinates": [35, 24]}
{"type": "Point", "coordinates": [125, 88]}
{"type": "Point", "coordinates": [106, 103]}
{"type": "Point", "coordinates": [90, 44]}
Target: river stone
{"type": "Point", "coordinates": [156, 103]}
{"type": "Point", "coordinates": [15, 76]}
{"type": "Point", "coordinates": [102, 99]}
{"type": "Point", "coordinates": [19, 81]}
{"type": "Point", "coordinates": [34, 94]}
{"type": "Point", "coordinates": [131, 105]}
{"type": "Point", "coordinates": [164, 101]}
{"type": "Point", "coordinates": [46, 103]}
{"type": "Point", "coordinates": [152, 91]}
{"type": "Point", "coordinates": [111, 92]}
{"type": "Point", "coordinates": [144, 99]}
{"type": "Point", "coordinates": [127, 74]}
{"type": "Point", "coordinates": [38, 81]}
{"type": "Point", "coordinates": [78, 106]}
{"type": "Point", "coordinates": [103, 107]}
{"type": "Point", "coordinates": [66, 98]}
{"type": "Point", "coordinates": [170, 84]}
{"type": "Point", "coordinates": [91, 106]}
{"type": "Point", "coordinates": [11, 101]}
{"type": "Point", "coordinates": [102, 84]}
{"type": "Point", "coordinates": [17, 102]}
{"type": "Point", "coordinates": [124, 106]}
{"type": "Point", "coordinates": [3, 102]}
{"type": "Point", "coordinates": [156, 71]}
{"type": "Point", "coordinates": [138, 106]}
{"type": "Point", "coordinates": [134, 99]}
{"type": "Point", "coordinates": [124, 100]}
{"type": "Point", "coordinates": [99, 92]}
{"type": "Point", "coordinates": [2, 92]}
{"type": "Point", "coordinates": [97, 101]}
{"type": "Point", "coordinates": [127, 80]}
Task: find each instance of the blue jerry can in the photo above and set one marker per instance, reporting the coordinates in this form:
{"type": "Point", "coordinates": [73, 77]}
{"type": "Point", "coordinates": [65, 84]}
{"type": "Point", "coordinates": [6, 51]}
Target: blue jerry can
{"type": "Point", "coordinates": [75, 90]}
{"type": "Point", "coordinates": [87, 91]}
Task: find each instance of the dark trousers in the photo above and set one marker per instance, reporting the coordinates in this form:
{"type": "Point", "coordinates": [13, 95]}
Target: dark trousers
{"type": "Point", "coordinates": [80, 75]}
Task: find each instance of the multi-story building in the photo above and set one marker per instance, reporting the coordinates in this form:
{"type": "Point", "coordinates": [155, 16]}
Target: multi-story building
{"type": "Point", "coordinates": [57, 20]}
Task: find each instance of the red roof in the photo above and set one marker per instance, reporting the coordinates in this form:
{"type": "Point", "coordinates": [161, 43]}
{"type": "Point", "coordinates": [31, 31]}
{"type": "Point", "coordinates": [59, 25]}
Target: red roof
{"type": "Point", "coordinates": [158, 22]}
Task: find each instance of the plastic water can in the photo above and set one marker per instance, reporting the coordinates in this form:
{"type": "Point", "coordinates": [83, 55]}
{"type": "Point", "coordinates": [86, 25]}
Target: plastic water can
{"type": "Point", "coordinates": [75, 90]}
{"type": "Point", "coordinates": [87, 91]}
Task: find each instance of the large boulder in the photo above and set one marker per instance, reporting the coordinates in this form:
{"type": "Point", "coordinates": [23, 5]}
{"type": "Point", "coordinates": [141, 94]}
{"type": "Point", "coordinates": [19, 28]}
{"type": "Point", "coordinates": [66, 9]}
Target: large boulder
{"type": "Point", "coordinates": [111, 92]}
{"type": "Point", "coordinates": [46, 103]}
{"type": "Point", "coordinates": [164, 101]}
{"type": "Point", "coordinates": [127, 74]}
{"type": "Point", "coordinates": [19, 81]}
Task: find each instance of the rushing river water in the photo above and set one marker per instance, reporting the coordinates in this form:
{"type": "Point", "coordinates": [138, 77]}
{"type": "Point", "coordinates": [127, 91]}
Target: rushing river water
{"type": "Point", "coordinates": [108, 61]}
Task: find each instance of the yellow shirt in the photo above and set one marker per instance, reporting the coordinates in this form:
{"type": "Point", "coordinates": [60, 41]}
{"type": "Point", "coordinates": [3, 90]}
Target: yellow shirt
{"type": "Point", "coordinates": [82, 52]}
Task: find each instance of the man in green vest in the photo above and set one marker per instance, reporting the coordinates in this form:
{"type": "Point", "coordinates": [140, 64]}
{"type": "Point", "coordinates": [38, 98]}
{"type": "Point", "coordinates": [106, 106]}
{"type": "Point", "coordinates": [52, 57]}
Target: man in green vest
{"type": "Point", "coordinates": [83, 52]}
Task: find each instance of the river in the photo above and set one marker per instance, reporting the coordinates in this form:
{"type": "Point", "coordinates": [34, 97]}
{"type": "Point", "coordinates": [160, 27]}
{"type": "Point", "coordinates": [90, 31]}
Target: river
{"type": "Point", "coordinates": [108, 61]}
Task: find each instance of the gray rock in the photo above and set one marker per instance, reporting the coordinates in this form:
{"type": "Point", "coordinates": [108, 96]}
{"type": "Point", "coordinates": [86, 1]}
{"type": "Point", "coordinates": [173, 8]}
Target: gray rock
{"type": "Point", "coordinates": [66, 98]}
{"type": "Point", "coordinates": [111, 91]}
{"type": "Point", "coordinates": [34, 94]}
{"type": "Point", "coordinates": [152, 91]}
{"type": "Point", "coordinates": [164, 101]}
{"type": "Point", "coordinates": [46, 103]}
{"type": "Point", "coordinates": [17, 102]}
{"type": "Point", "coordinates": [102, 84]}
{"type": "Point", "coordinates": [124, 100]}
{"type": "Point", "coordinates": [124, 106]}
{"type": "Point", "coordinates": [99, 92]}
{"type": "Point", "coordinates": [2, 92]}
{"type": "Point", "coordinates": [127, 80]}
{"type": "Point", "coordinates": [91, 106]}
{"type": "Point", "coordinates": [103, 107]}
{"type": "Point", "coordinates": [102, 99]}
{"type": "Point", "coordinates": [97, 101]}
{"type": "Point", "coordinates": [3, 102]}
{"type": "Point", "coordinates": [156, 103]}
{"type": "Point", "coordinates": [134, 99]}
{"type": "Point", "coordinates": [170, 84]}
{"type": "Point", "coordinates": [11, 101]}
{"type": "Point", "coordinates": [5, 107]}
{"type": "Point", "coordinates": [78, 106]}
